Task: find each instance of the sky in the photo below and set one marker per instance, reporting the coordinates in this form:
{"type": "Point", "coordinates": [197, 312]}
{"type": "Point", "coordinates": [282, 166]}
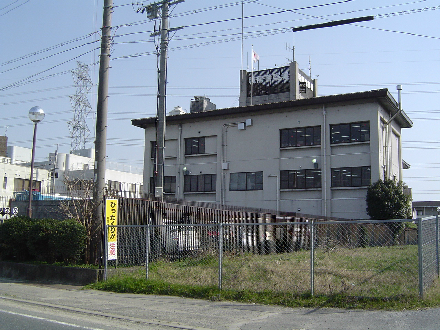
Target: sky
{"type": "Point", "coordinates": [42, 42]}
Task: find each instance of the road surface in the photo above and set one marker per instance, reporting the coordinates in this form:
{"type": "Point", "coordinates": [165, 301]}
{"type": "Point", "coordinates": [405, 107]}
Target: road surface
{"type": "Point", "coordinates": [41, 306]}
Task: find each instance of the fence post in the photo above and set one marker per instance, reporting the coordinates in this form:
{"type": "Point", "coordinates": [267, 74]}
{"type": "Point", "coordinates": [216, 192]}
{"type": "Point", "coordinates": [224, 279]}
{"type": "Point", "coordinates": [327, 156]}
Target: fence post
{"type": "Point", "coordinates": [220, 254]}
{"type": "Point", "coordinates": [312, 258]}
{"type": "Point", "coordinates": [420, 255]}
{"type": "Point", "coordinates": [436, 244]}
{"type": "Point", "coordinates": [147, 251]}
{"type": "Point", "coordinates": [105, 250]}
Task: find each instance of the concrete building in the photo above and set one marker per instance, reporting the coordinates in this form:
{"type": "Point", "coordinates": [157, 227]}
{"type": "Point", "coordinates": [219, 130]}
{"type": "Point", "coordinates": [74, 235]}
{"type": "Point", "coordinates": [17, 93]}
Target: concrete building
{"type": "Point", "coordinates": [50, 176]}
{"type": "Point", "coordinates": [307, 154]}
{"type": "Point", "coordinates": [425, 208]}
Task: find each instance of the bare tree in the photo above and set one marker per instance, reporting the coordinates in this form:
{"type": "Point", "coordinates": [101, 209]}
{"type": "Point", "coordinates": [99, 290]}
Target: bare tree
{"type": "Point", "coordinates": [81, 207]}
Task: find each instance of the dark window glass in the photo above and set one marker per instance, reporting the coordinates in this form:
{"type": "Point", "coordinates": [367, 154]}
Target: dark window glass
{"type": "Point", "coordinates": [351, 176]}
{"type": "Point", "coordinates": [336, 177]}
{"type": "Point", "coordinates": [355, 132]}
{"type": "Point", "coordinates": [317, 135]}
{"type": "Point", "coordinates": [169, 185]}
{"type": "Point", "coordinates": [194, 146]}
{"type": "Point", "coordinates": [300, 179]}
{"type": "Point", "coordinates": [365, 131]}
{"type": "Point", "coordinates": [301, 136]}
{"type": "Point", "coordinates": [153, 147]}
{"type": "Point", "coordinates": [366, 176]}
{"type": "Point", "coordinates": [246, 181]}
{"type": "Point", "coordinates": [292, 137]}
{"type": "Point", "coordinates": [284, 138]}
{"type": "Point", "coordinates": [345, 133]}
{"type": "Point", "coordinates": [309, 136]}
{"type": "Point", "coordinates": [199, 183]}
{"type": "Point", "coordinates": [356, 176]}
{"type": "Point", "coordinates": [350, 133]}
{"type": "Point", "coordinates": [335, 132]}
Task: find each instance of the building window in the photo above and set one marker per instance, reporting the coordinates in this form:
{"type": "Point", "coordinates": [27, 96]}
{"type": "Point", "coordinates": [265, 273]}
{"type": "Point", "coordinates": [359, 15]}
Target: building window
{"type": "Point", "coordinates": [200, 183]}
{"type": "Point", "coordinates": [351, 176]}
{"type": "Point", "coordinates": [350, 133]}
{"type": "Point", "coordinates": [169, 185]}
{"type": "Point", "coordinates": [5, 182]}
{"type": "Point", "coordinates": [246, 181]}
{"type": "Point", "coordinates": [153, 147]}
{"type": "Point", "coordinates": [194, 146]}
{"type": "Point", "coordinates": [300, 179]}
{"type": "Point", "coordinates": [300, 136]}
{"type": "Point", "coordinates": [114, 185]}
{"type": "Point", "coordinates": [23, 184]}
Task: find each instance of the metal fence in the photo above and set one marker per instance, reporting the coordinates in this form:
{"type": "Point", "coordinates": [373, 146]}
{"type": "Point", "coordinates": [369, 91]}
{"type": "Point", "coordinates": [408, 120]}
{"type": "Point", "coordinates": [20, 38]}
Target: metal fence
{"type": "Point", "coordinates": [362, 258]}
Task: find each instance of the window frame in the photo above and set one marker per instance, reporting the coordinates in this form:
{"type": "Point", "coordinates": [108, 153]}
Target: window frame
{"type": "Point", "coordinates": [354, 132]}
{"type": "Point", "coordinates": [199, 183]}
{"type": "Point", "coordinates": [246, 181]}
{"type": "Point", "coordinates": [307, 136]}
{"type": "Point", "coordinates": [169, 184]}
{"type": "Point", "coordinates": [301, 179]}
{"type": "Point", "coordinates": [343, 177]}
{"type": "Point", "coordinates": [195, 146]}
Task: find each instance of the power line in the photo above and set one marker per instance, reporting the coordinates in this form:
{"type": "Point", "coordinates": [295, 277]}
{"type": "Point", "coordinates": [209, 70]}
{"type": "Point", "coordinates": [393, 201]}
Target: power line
{"type": "Point", "coordinates": [13, 8]}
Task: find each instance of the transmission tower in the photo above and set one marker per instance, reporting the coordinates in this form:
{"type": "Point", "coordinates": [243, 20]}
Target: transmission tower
{"type": "Point", "coordinates": [79, 132]}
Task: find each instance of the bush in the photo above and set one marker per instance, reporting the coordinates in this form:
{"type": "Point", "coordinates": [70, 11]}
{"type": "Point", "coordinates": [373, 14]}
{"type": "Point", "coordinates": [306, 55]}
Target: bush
{"type": "Point", "coordinates": [69, 241]}
{"type": "Point", "coordinates": [46, 240]}
{"type": "Point", "coordinates": [39, 235]}
{"type": "Point", "coordinates": [386, 200]}
{"type": "Point", "coordinates": [13, 239]}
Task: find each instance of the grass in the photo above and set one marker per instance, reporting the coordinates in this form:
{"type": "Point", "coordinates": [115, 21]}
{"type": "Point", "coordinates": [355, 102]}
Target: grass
{"type": "Point", "coordinates": [368, 278]}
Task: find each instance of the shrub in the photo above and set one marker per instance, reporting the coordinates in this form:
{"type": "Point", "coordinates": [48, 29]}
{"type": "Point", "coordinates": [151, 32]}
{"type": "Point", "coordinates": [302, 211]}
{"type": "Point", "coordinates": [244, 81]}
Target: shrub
{"type": "Point", "coordinates": [69, 241]}
{"type": "Point", "coordinates": [13, 238]}
{"type": "Point", "coordinates": [46, 240]}
{"type": "Point", "coordinates": [39, 236]}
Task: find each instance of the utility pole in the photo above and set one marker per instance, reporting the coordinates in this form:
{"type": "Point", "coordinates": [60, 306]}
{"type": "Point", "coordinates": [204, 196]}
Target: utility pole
{"type": "Point", "coordinates": [101, 132]}
{"type": "Point", "coordinates": [161, 102]}
{"type": "Point", "coordinates": [152, 13]}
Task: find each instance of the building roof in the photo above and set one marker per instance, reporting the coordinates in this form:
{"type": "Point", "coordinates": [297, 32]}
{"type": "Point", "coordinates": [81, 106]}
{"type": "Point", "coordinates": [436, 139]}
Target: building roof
{"type": "Point", "coordinates": [382, 96]}
{"type": "Point", "coordinates": [426, 204]}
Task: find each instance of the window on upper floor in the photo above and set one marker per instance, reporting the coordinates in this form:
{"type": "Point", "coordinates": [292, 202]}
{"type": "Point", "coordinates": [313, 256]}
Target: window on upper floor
{"type": "Point", "coordinates": [195, 145]}
{"type": "Point", "coordinates": [200, 183]}
{"type": "Point", "coordinates": [300, 136]}
{"type": "Point", "coordinates": [300, 179]}
{"type": "Point", "coordinates": [243, 181]}
{"type": "Point", "coordinates": [351, 176]}
{"type": "Point", "coordinates": [350, 132]}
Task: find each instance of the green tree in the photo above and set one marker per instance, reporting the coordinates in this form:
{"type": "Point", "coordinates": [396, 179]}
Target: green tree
{"type": "Point", "coordinates": [386, 200]}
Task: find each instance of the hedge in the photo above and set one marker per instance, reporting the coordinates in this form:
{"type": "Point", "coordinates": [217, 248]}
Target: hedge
{"type": "Point", "coordinates": [45, 240]}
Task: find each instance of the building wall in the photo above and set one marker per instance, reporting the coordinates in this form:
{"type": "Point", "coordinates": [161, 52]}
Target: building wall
{"type": "Point", "coordinates": [232, 147]}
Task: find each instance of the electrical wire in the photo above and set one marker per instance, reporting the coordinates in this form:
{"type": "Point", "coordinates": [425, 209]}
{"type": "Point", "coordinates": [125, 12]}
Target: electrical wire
{"type": "Point", "coordinates": [13, 8]}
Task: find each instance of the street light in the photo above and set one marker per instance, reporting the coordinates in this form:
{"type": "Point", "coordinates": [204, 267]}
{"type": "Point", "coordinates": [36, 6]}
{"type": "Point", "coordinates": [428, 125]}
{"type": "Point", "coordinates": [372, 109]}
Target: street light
{"type": "Point", "coordinates": [36, 114]}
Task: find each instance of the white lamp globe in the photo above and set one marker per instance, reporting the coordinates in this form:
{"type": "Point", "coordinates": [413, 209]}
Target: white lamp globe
{"type": "Point", "coordinates": [36, 114]}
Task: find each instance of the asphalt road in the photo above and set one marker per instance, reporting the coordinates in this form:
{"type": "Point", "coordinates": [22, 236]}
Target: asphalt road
{"type": "Point", "coordinates": [38, 306]}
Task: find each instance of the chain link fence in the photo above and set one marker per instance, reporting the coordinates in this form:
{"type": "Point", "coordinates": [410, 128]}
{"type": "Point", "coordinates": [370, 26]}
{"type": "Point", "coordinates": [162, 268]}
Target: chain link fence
{"type": "Point", "coordinates": [361, 258]}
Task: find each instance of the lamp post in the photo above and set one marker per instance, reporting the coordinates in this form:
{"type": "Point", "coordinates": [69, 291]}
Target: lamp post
{"type": "Point", "coordinates": [36, 114]}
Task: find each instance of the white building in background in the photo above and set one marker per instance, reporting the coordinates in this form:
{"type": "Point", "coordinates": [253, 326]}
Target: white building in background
{"type": "Point", "coordinates": [126, 180]}
{"type": "Point", "coordinates": [50, 176]}
{"type": "Point", "coordinates": [290, 151]}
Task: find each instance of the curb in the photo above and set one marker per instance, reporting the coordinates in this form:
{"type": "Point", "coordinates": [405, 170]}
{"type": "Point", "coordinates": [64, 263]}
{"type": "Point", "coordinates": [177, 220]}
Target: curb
{"type": "Point", "coordinates": [50, 273]}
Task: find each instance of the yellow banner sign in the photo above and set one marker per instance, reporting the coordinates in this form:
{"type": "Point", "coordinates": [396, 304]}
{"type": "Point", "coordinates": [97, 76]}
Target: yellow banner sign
{"type": "Point", "coordinates": [111, 216]}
